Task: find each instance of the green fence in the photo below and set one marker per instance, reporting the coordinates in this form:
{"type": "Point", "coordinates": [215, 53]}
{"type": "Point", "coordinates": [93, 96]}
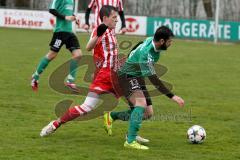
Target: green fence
{"type": "Point", "coordinates": [196, 29]}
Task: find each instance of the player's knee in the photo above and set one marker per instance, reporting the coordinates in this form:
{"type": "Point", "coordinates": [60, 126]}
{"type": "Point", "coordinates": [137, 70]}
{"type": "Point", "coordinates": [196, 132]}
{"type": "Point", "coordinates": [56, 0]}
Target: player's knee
{"type": "Point", "coordinates": [141, 102]}
{"type": "Point", "coordinates": [90, 102]}
{"type": "Point", "coordinates": [77, 54]}
{"type": "Point", "coordinates": [51, 55]}
{"type": "Point", "coordinates": [85, 108]}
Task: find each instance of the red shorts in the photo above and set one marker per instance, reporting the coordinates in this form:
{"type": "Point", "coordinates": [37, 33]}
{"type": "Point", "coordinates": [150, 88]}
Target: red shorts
{"type": "Point", "coordinates": [103, 82]}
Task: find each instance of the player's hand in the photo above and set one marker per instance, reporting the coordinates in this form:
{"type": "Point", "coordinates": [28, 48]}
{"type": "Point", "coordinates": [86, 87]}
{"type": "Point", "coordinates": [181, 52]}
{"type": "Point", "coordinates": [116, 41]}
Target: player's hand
{"type": "Point", "coordinates": [101, 29]}
{"type": "Point", "coordinates": [178, 100]}
{"type": "Point", "coordinates": [123, 30]}
{"type": "Point", "coordinates": [86, 27]}
{"type": "Point", "coordinates": [70, 18]}
{"type": "Point", "coordinates": [77, 22]}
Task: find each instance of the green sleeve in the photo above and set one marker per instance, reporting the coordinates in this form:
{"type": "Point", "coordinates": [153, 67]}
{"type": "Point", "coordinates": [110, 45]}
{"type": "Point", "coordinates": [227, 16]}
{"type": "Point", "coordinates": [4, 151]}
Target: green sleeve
{"type": "Point", "coordinates": [55, 4]}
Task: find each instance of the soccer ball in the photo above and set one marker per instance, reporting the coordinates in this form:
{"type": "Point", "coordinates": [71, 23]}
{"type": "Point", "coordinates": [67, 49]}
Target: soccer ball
{"type": "Point", "coordinates": [196, 134]}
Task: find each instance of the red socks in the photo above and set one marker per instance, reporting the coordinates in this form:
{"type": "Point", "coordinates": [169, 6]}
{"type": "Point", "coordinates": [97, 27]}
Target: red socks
{"type": "Point", "coordinates": [72, 113]}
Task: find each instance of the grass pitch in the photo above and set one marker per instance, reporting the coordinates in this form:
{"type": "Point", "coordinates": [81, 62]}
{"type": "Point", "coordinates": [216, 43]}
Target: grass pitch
{"type": "Point", "coordinates": [205, 75]}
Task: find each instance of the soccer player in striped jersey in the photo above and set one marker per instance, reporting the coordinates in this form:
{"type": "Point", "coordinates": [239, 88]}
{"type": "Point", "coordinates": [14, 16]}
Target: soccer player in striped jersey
{"type": "Point", "coordinates": [96, 5]}
{"type": "Point", "coordinates": [103, 42]}
{"type": "Point", "coordinates": [63, 34]}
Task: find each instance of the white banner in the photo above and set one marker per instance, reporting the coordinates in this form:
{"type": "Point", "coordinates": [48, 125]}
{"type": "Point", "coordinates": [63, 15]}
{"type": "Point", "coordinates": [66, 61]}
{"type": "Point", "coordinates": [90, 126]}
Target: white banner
{"type": "Point", "coordinates": [26, 19]}
{"type": "Point", "coordinates": [136, 25]}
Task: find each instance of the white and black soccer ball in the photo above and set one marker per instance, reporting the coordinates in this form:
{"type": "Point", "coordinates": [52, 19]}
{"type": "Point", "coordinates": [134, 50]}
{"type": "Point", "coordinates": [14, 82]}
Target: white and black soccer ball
{"type": "Point", "coordinates": [196, 134]}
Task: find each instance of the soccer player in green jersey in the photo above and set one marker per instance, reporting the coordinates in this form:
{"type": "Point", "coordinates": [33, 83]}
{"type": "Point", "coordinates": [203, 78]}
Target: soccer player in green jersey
{"type": "Point", "coordinates": [140, 64]}
{"type": "Point", "coordinates": [63, 34]}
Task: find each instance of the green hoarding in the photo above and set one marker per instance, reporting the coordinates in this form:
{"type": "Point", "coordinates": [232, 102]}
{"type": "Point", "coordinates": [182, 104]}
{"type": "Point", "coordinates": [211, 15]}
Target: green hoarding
{"type": "Point", "coordinates": [196, 29]}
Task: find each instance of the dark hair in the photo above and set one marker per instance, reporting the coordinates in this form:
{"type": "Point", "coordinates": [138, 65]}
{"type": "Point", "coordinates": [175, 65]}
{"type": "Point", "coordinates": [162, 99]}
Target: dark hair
{"type": "Point", "coordinates": [106, 10]}
{"type": "Point", "coordinates": [163, 32]}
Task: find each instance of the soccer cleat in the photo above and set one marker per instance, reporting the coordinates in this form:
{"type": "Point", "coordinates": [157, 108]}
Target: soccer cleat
{"type": "Point", "coordinates": [72, 86]}
{"type": "Point", "coordinates": [107, 120]}
{"type": "Point", "coordinates": [140, 139]}
{"type": "Point", "coordinates": [50, 128]}
{"type": "Point", "coordinates": [34, 84]}
{"type": "Point", "coordinates": [135, 145]}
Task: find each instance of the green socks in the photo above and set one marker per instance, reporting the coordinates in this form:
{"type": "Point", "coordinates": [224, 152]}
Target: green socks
{"type": "Point", "coordinates": [135, 123]}
{"type": "Point", "coordinates": [124, 116]}
{"type": "Point", "coordinates": [73, 69]}
{"type": "Point", "coordinates": [42, 65]}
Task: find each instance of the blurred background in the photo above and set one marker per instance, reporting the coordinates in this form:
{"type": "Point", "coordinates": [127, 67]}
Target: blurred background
{"type": "Point", "coordinates": [195, 9]}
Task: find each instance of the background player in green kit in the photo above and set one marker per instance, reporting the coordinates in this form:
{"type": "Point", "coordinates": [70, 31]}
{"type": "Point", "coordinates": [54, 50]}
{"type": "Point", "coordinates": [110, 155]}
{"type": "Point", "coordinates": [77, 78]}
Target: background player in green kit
{"type": "Point", "coordinates": [63, 34]}
{"type": "Point", "coordinates": [140, 64]}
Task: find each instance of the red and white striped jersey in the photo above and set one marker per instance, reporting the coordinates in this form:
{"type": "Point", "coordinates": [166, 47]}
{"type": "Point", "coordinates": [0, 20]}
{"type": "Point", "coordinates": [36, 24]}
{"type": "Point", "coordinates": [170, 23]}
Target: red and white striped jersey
{"type": "Point", "coordinates": [97, 5]}
{"type": "Point", "coordinates": [105, 52]}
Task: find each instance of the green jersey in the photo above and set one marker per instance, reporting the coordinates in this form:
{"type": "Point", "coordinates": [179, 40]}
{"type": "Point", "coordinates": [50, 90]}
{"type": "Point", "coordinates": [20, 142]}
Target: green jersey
{"type": "Point", "coordinates": [64, 7]}
{"type": "Point", "coordinates": [140, 62]}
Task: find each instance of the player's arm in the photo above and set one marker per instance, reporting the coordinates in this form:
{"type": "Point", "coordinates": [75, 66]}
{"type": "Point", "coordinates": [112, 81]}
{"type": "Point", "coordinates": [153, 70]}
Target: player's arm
{"type": "Point", "coordinates": [122, 17]}
{"type": "Point", "coordinates": [135, 47]}
{"type": "Point", "coordinates": [101, 29]}
{"type": "Point", "coordinates": [92, 43]}
{"type": "Point", "coordinates": [56, 13]}
{"type": "Point", "coordinates": [87, 15]}
{"type": "Point", "coordinates": [163, 89]}
{"type": "Point", "coordinates": [59, 15]}
{"type": "Point", "coordinates": [138, 44]}
{"type": "Point", "coordinates": [53, 10]}
{"type": "Point", "coordinates": [160, 86]}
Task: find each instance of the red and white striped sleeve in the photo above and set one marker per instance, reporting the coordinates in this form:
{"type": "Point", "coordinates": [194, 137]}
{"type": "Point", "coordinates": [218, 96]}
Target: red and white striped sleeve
{"type": "Point", "coordinates": [92, 3]}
